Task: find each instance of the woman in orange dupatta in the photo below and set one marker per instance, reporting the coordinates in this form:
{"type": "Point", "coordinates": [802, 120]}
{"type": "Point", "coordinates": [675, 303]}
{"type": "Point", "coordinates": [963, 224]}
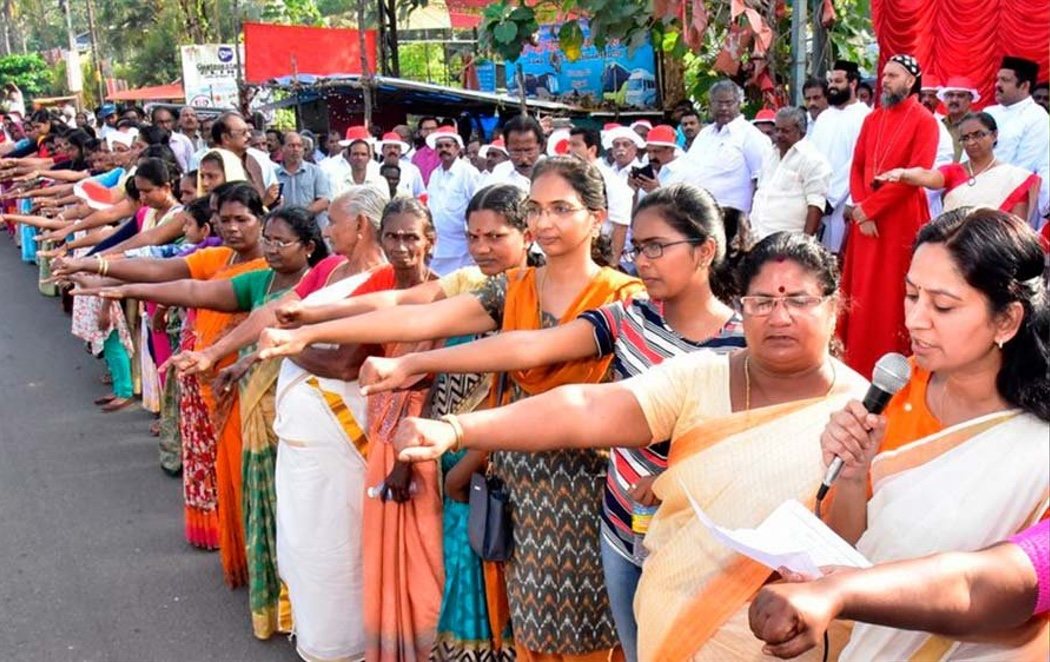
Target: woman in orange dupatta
{"type": "Point", "coordinates": [239, 211]}
{"type": "Point", "coordinates": [558, 604]}
{"type": "Point", "coordinates": [960, 459]}
{"type": "Point", "coordinates": [403, 566]}
{"type": "Point", "coordinates": [726, 417]}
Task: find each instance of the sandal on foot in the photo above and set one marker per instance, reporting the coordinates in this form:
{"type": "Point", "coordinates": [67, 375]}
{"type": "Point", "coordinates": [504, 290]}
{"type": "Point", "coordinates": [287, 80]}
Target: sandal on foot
{"type": "Point", "coordinates": [117, 404]}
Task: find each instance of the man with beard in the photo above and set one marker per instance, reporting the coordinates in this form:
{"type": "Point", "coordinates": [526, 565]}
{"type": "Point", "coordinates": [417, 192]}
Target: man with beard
{"type": "Point", "coordinates": [524, 139]}
{"type": "Point", "coordinates": [623, 143]}
{"type": "Point", "coordinates": [885, 217]}
{"type": "Point", "coordinates": [835, 136]}
{"type": "Point", "coordinates": [452, 185]}
{"type": "Point", "coordinates": [1024, 132]}
{"type": "Point", "coordinates": [815, 95]}
{"type": "Point", "coordinates": [958, 95]}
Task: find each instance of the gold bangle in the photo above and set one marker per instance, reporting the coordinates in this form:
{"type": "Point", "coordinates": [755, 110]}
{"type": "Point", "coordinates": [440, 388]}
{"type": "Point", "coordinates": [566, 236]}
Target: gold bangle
{"type": "Point", "coordinates": [457, 427]}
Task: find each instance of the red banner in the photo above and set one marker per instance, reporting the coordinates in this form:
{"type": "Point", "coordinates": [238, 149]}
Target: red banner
{"type": "Point", "coordinates": [273, 51]}
{"type": "Point", "coordinates": [963, 37]}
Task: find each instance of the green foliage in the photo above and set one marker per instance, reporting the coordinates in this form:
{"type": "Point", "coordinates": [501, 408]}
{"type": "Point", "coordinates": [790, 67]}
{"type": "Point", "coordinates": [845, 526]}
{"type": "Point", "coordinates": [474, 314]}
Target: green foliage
{"type": "Point", "coordinates": [292, 12]}
{"type": "Point", "coordinates": [507, 28]}
{"type": "Point", "coordinates": [32, 75]}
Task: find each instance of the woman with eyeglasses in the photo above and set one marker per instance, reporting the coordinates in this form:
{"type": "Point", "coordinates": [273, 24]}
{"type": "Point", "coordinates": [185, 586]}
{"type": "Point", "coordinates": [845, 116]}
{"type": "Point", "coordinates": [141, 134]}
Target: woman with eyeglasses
{"type": "Point", "coordinates": [980, 181]}
{"type": "Point", "coordinates": [744, 431]}
{"type": "Point", "coordinates": [555, 585]}
{"type": "Point", "coordinates": [679, 249]}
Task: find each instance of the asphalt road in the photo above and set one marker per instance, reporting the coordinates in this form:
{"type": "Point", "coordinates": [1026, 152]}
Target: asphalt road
{"type": "Point", "coordinates": [93, 561]}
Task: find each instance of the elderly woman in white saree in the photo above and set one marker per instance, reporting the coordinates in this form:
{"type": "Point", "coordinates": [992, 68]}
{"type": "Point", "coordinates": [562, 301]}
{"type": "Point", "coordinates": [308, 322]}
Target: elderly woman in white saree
{"type": "Point", "coordinates": [961, 458]}
{"type": "Point", "coordinates": [744, 432]}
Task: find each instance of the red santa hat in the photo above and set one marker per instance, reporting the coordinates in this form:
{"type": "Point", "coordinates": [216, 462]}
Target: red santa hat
{"type": "Point", "coordinates": [645, 123]}
{"type": "Point", "coordinates": [444, 132]}
{"type": "Point", "coordinates": [930, 84]}
{"type": "Point", "coordinates": [662, 135]}
{"type": "Point", "coordinates": [496, 144]}
{"type": "Point", "coordinates": [355, 133]}
{"type": "Point", "coordinates": [959, 84]}
{"type": "Point", "coordinates": [391, 138]}
{"type": "Point", "coordinates": [765, 115]}
{"type": "Point", "coordinates": [558, 143]}
{"type": "Point", "coordinates": [616, 132]}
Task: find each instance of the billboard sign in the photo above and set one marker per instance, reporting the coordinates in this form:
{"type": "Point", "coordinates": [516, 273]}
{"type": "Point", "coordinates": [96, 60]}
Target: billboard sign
{"type": "Point", "coordinates": [595, 78]}
{"type": "Point", "coordinates": [209, 75]}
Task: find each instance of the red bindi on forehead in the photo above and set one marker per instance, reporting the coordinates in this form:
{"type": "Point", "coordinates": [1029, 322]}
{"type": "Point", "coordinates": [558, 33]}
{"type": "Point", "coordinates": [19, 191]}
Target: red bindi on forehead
{"type": "Point", "coordinates": [781, 289]}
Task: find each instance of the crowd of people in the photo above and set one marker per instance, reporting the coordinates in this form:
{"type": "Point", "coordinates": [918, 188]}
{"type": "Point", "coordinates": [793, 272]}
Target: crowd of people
{"type": "Point", "coordinates": [437, 397]}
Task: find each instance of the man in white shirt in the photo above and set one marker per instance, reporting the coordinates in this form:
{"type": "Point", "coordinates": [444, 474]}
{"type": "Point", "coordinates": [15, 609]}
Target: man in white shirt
{"type": "Point", "coordinates": [727, 156]}
{"type": "Point", "coordinates": [393, 149]}
{"type": "Point", "coordinates": [452, 185]}
{"type": "Point", "coordinates": [493, 154]}
{"type": "Point", "coordinates": [793, 181]}
{"type": "Point", "coordinates": [1024, 129]}
{"type": "Point", "coordinates": [525, 142]}
{"type": "Point", "coordinates": [666, 165]}
{"type": "Point", "coordinates": [835, 136]}
{"type": "Point", "coordinates": [623, 143]}
{"type": "Point", "coordinates": [355, 164]}
{"type": "Point", "coordinates": [108, 114]}
{"type": "Point", "coordinates": [815, 96]}
{"type": "Point", "coordinates": [586, 144]}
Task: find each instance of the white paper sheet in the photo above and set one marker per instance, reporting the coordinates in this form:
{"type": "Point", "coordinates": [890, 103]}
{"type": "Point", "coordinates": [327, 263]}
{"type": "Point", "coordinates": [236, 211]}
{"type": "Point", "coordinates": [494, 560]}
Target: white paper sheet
{"type": "Point", "coordinates": [791, 537]}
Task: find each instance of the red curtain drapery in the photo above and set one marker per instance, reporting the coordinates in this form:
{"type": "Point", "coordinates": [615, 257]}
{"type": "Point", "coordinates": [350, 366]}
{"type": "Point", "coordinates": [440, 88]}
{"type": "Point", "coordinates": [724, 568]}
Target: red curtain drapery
{"type": "Point", "coordinates": [964, 37]}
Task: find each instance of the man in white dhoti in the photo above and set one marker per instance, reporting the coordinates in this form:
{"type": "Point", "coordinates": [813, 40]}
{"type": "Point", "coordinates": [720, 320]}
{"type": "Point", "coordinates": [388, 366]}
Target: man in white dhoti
{"type": "Point", "coordinates": [835, 136]}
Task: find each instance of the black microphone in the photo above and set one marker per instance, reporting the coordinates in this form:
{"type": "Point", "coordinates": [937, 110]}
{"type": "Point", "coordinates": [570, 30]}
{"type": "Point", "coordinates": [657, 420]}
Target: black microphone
{"type": "Point", "coordinates": [892, 372]}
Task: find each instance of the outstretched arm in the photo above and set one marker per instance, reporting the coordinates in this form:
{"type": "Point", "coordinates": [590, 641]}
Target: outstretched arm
{"type": "Point", "coordinates": [953, 594]}
{"type": "Point", "coordinates": [297, 313]}
{"type": "Point", "coordinates": [138, 270]}
{"type": "Point", "coordinates": [515, 350]}
{"type": "Point", "coordinates": [242, 335]}
{"type": "Point", "coordinates": [457, 316]}
{"type": "Point", "coordinates": [188, 293]}
{"type": "Point", "coordinates": [914, 176]}
{"type": "Point", "coordinates": [158, 236]}
{"type": "Point", "coordinates": [588, 416]}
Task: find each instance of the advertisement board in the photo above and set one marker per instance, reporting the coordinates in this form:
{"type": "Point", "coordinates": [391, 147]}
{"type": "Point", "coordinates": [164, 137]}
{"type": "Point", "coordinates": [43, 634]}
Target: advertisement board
{"type": "Point", "coordinates": [209, 75]}
{"type": "Point", "coordinates": [614, 75]}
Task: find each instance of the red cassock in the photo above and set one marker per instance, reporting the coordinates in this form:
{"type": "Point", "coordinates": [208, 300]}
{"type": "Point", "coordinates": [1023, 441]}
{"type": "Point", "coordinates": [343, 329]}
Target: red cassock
{"type": "Point", "coordinates": [903, 136]}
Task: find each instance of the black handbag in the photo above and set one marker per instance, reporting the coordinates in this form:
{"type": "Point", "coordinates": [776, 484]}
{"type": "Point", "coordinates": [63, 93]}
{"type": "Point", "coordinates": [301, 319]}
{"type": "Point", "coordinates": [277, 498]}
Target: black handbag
{"type": "Point", "coordinates": [488, 525]}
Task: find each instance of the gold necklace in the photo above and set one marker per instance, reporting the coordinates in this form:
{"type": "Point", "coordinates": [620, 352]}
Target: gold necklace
{"type": "Point", "coordinates": [747, 381]}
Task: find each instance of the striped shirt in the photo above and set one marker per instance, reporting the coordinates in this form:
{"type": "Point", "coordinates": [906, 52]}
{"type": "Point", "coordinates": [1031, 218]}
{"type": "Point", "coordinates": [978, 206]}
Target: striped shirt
{"type": "Point", "coordinates": [638, 337]}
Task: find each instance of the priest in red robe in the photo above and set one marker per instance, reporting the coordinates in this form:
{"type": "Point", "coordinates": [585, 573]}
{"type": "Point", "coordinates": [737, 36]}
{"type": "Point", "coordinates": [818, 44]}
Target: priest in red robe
{"type": "Point", "coordinates": [885, 217]}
